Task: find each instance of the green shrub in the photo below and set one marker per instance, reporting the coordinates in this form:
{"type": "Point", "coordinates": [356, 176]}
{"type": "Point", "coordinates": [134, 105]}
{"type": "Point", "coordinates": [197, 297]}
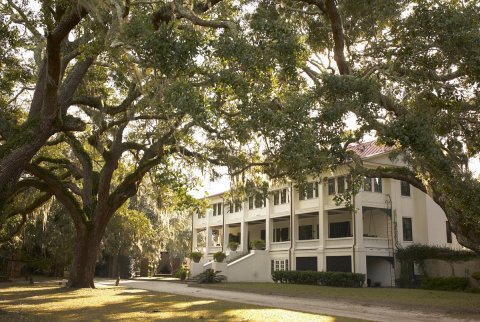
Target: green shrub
{"type": "Point", "coordinates": [319, 278]}
{"type": "Point", "coordinates": [210, 276]}
{"type": "Point", "coordinates": [444, 283]}
{"type": "Point", "coordinates": [419, 252]}
{"type": "Point", "coordinates": [181, 273]}
{"type": "Point", "coordinates": [219, 256]}
{"type": "Point", "coordinates": [195, 256]}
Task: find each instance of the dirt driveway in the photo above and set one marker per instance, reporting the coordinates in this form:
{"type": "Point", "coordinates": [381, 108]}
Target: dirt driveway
{"type": "Point", "coordinates": [291, 303]}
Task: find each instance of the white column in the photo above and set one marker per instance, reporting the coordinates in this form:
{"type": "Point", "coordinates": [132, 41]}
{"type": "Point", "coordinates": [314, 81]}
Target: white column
{"type": "Point", "coordinates": [209, 240]}
{"type": "Point", "coordinates": [359, 249]}
{"type": "Point", "coordinates": [195, 239]}
{"type": "Point", "coordinates": [226, 232]}
{"type": "Point", "coordinates": [268, 225]}
{"type": "Point", "coordinates": [358, 217]}
{"type": "Point", "coordinates": [244, 236]}
{"type": "Point", "coordinates": [321, 221]}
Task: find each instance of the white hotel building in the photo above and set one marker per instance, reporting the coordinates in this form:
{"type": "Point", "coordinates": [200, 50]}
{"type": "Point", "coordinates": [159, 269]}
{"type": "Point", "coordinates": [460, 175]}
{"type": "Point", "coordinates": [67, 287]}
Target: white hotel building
{"type": "Point", "coordinates": [307, 230]}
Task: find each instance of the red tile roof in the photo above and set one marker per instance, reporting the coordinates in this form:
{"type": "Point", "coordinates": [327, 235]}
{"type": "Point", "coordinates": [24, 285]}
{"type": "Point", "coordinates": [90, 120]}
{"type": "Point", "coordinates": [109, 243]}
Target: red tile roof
{"type": "Point", "coordinates": [368, 149]}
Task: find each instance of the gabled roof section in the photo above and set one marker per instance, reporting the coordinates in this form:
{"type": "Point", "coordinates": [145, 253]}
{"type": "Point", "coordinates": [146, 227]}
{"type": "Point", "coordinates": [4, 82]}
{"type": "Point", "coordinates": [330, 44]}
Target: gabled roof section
{"type": "Point", "coordinates": [369, 149]}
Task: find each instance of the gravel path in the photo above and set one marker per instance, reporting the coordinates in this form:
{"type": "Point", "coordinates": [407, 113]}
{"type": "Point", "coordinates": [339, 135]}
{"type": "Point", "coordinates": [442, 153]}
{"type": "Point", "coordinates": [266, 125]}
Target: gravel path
{"type": "Point", "coordinates": [318, 306]}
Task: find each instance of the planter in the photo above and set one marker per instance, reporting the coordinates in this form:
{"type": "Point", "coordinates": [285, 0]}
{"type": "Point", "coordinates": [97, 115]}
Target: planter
{"type": "Point", "coordinates": [195, 256]}
{"type": "Point", "coordinates": [219, 257]}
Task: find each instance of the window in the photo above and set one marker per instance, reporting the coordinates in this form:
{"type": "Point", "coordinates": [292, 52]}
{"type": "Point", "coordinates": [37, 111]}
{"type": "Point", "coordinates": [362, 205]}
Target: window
{"type": "Point", "coordinates": [283, 196]}
{"type": "Point", "coordinates": [340, 184]}
{"type": "Point", "coordinates": [449, 233]}
{"type": "Point", "coordinates": [339, 264]}
{"type": "Point", "coordinates": [235, 206]}
{"type": "Point", "coordinates": [367, 184]}
{"type": "Point", "coordinates": [280, 235]}
{"type": "Point", "coordinates": [256, 201]}
{"type": "Point", "coordinates": [306, 264]}
{"type": "Point", "coordinates": [377, 184]}
{"type": "Point", "coordinates": [405, 188]}
{"type": "Point", "coordinates": [200, 215]}
{"type": "Point", "coordinates": [305, 232]}
{"type": "Point", "coordinates": [407, 229]}
{"type": "Point", "coordinates": [260, 201]}
{"type": "Point", "coordinates": [217, 209]}
{"type": "Point", "coordinates": [308, 191]}
{"type": "Point", "coordinates": [280, 197]}
{"type": "Point", "coordinates": [331, 186]}
{"type": "Point", "coordinates": [279, 264]}
{"type": "Point", "coordinates": [339, 229]}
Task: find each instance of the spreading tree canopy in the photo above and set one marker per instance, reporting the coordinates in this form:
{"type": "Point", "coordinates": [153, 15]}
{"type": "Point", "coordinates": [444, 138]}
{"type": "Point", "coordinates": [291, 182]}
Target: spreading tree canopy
{"type": "Point", "coordinates": [408, 73]}
{"type": "Point", "coordinates": [164, 86]}
{"type": "Point", "coordinates": [96, 95]}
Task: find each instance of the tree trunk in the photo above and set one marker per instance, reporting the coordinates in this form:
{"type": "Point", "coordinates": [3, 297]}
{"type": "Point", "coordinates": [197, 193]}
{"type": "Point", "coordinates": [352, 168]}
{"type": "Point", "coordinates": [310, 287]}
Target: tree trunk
{"type": "Point", "coordinates": [17, 153]}
{"type": "Point", "coordinates": [85, 259]}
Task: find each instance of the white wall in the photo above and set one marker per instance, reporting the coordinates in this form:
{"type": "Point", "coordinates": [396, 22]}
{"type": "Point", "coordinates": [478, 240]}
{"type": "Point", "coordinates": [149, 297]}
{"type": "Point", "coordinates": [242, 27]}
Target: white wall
{"type": "Point", "coordinates": [437, 229]}
{"type": "Point", "coordinates": [254, 267]}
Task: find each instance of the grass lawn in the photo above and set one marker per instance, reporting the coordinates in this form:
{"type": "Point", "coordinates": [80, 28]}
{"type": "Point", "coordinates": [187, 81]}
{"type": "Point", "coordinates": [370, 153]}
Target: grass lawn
{"type": "Point", "coordinates": [456, 304]}
{"type": "Point", "coordinates": [42, 302]}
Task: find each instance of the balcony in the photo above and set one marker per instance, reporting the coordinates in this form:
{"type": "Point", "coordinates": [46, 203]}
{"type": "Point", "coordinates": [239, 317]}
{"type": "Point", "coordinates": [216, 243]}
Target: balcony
{"type": "Point", "coordinates": [306, 244]}
{"type": "Point", "coordinates": [199, 222]}
{"type": "Point", "coordinates": [234, 217]}
{"type": "Point", "coordinates": [375, 242]}
{"type": "Point", "coordinates": [280, 210]}
{"type": "Point", "coordinates": [280, 246]}
{"type": "Point", "coordinates": [256, 213]}
{"type": "Point", "coordinates": [307, 204]}
{"type": "Point", "coordinates": [343, 242]}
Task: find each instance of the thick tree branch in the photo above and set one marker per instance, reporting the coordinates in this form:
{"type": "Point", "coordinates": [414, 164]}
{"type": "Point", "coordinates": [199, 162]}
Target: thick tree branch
{"type": "Point", "coordinates": [338, 37]}
{"type": "Point", "coordinates": [87, 170]}
{"type": "Point", "coordinates": [320, 4]}
{"type": "Point", "coordinates": [71, 83]}
{"type": "Point", "coordinates": [55, 186]}
{"type": "Point", "coordinates": [398, 173]}
{"type": "Point", "coordinates": [183, 12]}
{"type": "Point", "coordinates": [26, 21]}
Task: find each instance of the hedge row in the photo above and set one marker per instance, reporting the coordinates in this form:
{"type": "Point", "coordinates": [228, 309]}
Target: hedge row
{"type": "Point", "coordinates": [319, 278]}
{"type": "Point", "coordinates": [444, 283]}
{"type": "Point", "coordinates": [419, 253]}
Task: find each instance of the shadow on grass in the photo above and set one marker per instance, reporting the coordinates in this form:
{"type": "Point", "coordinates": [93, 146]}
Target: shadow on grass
{"type": "Point", "coordinates": [111, 304]}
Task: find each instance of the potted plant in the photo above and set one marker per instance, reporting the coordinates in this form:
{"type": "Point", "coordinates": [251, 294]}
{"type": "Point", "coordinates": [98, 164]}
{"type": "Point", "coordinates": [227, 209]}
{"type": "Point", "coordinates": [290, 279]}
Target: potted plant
{"type": "Point", "coordinates": [219, 257]}
{"type": "Point", "coordinates": [195, 256]}
{"type": "Point", "coordinates": [233, 245]}
{"type": "Point", "coordinates": [258, 244]}
{"type": "Point", "coordinates": [181, 273]}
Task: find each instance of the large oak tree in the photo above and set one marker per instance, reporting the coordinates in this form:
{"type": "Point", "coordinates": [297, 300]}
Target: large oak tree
{"type": "Point", "coordinates": [407, 72]}
{"type": "Point", "coordinates": [180, 91]}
